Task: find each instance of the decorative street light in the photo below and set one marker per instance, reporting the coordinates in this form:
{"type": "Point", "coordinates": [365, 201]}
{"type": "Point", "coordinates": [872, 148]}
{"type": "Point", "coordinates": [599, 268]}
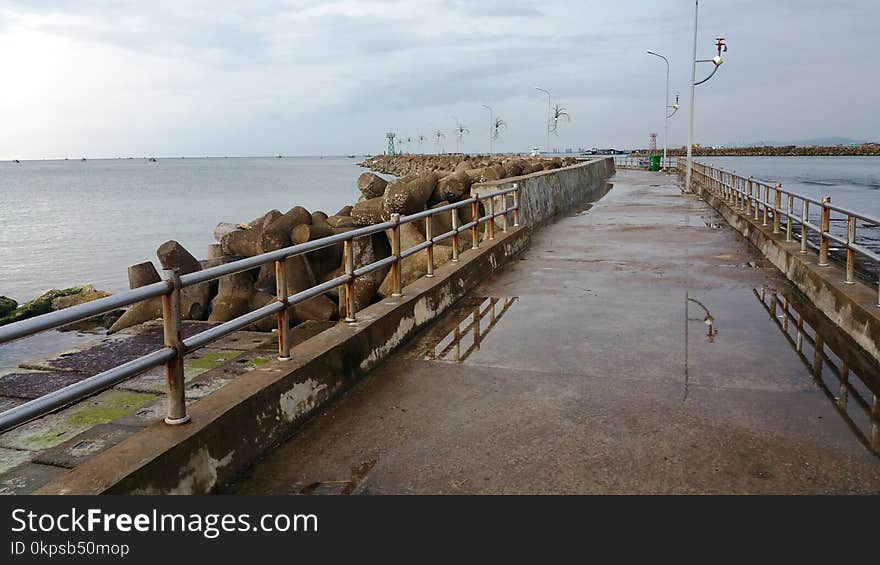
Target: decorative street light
{"type": "Point", "coordinates": [438, 137]}
{"type": "Point", "coordinates": [716, 61]}
{"type": "Point", "coordinates": [549, 110]}
{"type": "Point", "coordinates": [673, 107]}
{"type": "Point", "coordinates": [460, 131]}
{"type": "Point", "coordinates": [491, 122]}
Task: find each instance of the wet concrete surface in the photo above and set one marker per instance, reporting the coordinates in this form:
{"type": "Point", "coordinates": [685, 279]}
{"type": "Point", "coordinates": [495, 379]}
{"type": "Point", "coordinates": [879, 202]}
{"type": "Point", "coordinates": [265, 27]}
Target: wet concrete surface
{"type": "Point", "coordinates": [598, 372]}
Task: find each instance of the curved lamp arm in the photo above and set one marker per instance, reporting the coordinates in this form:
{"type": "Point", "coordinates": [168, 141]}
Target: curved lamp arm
{"type": "Point", "coordinates": [715, 70]}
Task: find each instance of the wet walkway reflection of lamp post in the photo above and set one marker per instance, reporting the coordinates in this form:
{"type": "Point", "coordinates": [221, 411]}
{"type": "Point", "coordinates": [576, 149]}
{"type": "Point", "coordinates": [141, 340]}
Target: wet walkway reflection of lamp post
{"type": "Point", "coordinates": [711, 332]}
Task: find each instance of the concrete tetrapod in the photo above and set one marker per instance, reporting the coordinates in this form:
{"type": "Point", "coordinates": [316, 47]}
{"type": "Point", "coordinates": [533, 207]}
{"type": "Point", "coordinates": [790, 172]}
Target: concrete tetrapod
{"type": "Point", "coordinates": [415, 266]}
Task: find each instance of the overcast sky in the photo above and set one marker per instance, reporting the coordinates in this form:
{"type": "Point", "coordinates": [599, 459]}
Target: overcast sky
{"type": "Point", "coordinates": [99, 78]}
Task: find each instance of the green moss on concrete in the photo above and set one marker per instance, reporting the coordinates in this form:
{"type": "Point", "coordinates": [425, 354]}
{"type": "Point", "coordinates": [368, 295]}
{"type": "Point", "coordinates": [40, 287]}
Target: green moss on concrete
{"type": "Point", "coordinates": [211, 360]}
{"type": "Point", "coordinates": [258, 361]}
{"type": "Point", "coordinates": [51, 438]}
{"type": "Point", "coordinates": [108, 408]}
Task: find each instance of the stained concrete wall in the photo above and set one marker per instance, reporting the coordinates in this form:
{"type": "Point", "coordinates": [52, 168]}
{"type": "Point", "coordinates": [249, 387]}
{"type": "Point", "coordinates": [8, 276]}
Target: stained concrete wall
{"type": "Point", "coordinates": [547, 194]}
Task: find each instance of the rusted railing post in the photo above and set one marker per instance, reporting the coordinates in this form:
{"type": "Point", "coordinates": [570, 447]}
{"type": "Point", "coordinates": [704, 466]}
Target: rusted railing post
{"type": "Point", "coordinates": [490, 225]}
{"type": "Point", "coordinates": [429, 251]}
{"type": "Point", "coordinates": [504, 212]}
{"type": "Point", "coordinates": [850, 252]}
{"type": "Point", "coordinates": [788, 206]}
{"type": "Point", "coordinates": [805, 217]}
{"type": "Point", "coordinates": [777, 207]}
{"type": "Point", "coordinates": [766, 204]}
{"type": "Point", "coordinates": [756, 202]}
{"type": "Point", "coordinates": [475, 229]}
{"type": "Point", "coordinates": [284, 315]}
{"type": "Point", "coordinates": [348, 259]}
{"type": "Point", "coordinates": [454, 234]}
{"type": "Point", "coordinates": [516, 205]}
{"type": "Point", "coordinates": [396, 279]}
{"type": "Point", "coordinates": [824, 226]}
{"type": "Point", "coordinates": [171, 329]}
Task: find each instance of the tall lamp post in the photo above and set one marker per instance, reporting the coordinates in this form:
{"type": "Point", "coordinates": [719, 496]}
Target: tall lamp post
{"type": "Point", "coordinates": [716, 61]}
{"type": "Point", "coordinates": [491, 122]}
{"type": "Point", "coordinates": [547, 92]}
{"type": "Point", "coordinates": [667, 107]}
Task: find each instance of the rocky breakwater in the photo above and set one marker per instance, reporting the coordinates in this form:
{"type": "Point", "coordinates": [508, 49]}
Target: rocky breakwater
{"type": "Point", "coordinates": [865, 150]}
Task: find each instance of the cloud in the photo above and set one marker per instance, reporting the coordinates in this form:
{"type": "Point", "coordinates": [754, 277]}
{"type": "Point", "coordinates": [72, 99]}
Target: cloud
{"type": "Point", "coordinates": [109, 78]}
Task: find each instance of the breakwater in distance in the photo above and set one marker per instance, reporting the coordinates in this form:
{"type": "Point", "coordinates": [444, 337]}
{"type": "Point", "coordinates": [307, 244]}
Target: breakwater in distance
{"type": "Point", "coordinates": [423, 182]}
{"type": "Point", "coordinates": [867, 150]}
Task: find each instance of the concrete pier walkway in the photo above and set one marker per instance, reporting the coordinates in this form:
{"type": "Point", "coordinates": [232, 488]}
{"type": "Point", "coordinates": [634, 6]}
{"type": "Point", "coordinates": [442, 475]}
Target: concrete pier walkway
{"type": "Point", "coordinates": [592, 368]}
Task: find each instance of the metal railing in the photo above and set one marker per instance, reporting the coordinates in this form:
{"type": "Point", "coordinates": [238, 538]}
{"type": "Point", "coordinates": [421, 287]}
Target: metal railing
{"type": "Point", "coordinates": [791, 213]}
{"type": "Point", "coordinates": [169, 289]}
{"type": "Point", "coordinates": [635, 162]}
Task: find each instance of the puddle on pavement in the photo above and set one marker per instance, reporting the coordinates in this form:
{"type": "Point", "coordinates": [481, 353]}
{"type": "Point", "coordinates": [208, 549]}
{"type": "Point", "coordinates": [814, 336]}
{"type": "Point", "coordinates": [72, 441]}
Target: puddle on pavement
{"type": "Point", "coordinates": [471, 322]}
{"type": "Point", "coordinates": [581, 210]}
{"type": "Point", "coordinates": [846, 375]}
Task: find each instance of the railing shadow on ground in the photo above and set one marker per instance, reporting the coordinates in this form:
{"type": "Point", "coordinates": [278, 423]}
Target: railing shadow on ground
{"type": "Point", "coordinates": [845, 375]}
{"type": "Point", "coordinates": [469, 331]}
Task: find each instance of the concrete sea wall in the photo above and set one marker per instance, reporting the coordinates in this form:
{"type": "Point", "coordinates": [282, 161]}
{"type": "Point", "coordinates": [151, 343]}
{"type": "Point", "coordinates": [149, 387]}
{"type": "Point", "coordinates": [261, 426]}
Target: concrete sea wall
{"type": "Point", "coordinates": [546, 196]}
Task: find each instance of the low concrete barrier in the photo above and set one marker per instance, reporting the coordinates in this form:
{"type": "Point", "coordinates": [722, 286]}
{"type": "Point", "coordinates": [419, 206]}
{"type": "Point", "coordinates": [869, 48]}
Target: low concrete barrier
{"type": "Point", "coordinates": [547, 194]}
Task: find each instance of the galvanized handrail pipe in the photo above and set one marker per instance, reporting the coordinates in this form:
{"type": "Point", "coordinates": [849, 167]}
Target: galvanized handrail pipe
{"type": "Point", "coordinates": [176, 347]}
{"type": "Point", "coordinates": [823, 230]}
{"type": "Point", "coordinates": [61, 318]}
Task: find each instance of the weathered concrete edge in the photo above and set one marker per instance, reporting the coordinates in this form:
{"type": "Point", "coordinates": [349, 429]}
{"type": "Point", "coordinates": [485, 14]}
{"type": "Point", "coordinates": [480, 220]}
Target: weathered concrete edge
{"type": "Point", "coordinates": [234, 426]}
{"type": "Point", "coordinates": [851, 307]}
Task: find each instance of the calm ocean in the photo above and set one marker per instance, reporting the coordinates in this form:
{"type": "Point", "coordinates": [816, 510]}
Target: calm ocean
{"type": "Point", "coordinates": [72, 222]}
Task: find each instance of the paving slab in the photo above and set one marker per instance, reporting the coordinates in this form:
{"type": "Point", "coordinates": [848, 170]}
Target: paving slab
{"type": "Point", "coordinates": [627, 352]}
{"type": "Point", "coordinates": [28, 477]}
{"type": "Point", "coordinates": [87, 444]}
{"type": "Point", "coordinates": [59, 427]}
{"type": "Point", "coordinates": [29, 384]}
{"type": "Point", "coordinates": [112, 350]}
{"type": "Point", "coordinates": [10, 458]}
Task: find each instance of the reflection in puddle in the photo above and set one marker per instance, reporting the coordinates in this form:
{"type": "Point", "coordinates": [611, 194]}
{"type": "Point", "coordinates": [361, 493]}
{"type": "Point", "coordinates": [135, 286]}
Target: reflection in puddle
{"type": "Point", "coordinates": [846, 375]}
{"type": "Point", "coordinates": [470, 329]}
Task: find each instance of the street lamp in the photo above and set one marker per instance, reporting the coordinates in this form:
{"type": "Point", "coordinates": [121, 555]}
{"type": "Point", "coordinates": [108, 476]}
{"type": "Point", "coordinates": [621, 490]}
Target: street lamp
{"type": "Point", "coordinates": [674, 107]}
{"type": "Point", "coordinates": [547, 92]}
{"type": "Point", "coordinates": [716, 61]}
{"type": "Point", "coordinates": [491, 121]}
